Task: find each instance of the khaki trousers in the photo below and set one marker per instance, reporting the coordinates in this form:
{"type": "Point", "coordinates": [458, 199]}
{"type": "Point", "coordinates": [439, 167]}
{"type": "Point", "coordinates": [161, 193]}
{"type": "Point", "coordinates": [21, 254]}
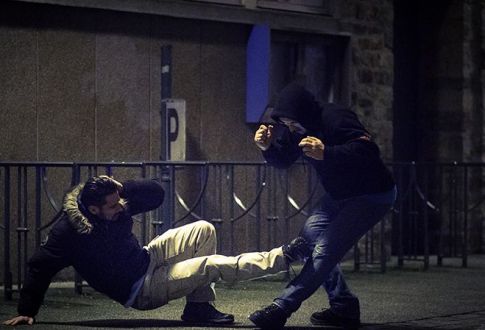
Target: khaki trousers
{"type": "Point", "coordinates": [183, 263]}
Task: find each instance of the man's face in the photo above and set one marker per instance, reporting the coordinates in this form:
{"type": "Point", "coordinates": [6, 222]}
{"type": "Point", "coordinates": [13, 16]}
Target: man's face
{"type": "Point", "coordinates": [293, 125]}
{"type": "Point", "coordinates": [111, 210]}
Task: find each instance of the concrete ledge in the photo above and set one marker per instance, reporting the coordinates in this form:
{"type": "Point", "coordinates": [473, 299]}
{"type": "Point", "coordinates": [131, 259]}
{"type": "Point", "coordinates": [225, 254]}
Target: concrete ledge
{"type": "Point", "coordinates": [214, 12]}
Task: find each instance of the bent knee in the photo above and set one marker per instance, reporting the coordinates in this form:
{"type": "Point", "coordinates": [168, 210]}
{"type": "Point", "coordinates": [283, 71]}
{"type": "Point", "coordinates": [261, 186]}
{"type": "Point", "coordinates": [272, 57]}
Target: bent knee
{"type": "Point", "coordinates": [205, 227]}
{"type": "Point", "coordinates": [308, 232]}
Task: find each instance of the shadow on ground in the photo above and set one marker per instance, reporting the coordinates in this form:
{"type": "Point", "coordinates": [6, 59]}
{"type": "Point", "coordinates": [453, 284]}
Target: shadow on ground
{"type": "Point", "coordinates": [172, 324]}
{"type": "Point", "coordinates": [138, 323]}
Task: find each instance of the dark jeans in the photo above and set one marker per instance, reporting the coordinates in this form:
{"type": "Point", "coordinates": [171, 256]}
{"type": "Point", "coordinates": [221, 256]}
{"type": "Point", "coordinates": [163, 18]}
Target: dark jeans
{"type": "Point", "coordinates": [332, 230]}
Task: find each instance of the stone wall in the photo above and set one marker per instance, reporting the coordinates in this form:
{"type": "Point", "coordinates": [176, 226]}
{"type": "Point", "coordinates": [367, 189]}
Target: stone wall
{"type": "Point", "coordinates": [473, 112]}
{"type": "Point", "coordinates": [372, 66]}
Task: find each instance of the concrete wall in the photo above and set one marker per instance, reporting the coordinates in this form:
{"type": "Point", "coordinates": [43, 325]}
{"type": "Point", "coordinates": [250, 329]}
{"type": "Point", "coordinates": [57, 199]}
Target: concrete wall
{"type": "Point", "coordinates": [83, 85]}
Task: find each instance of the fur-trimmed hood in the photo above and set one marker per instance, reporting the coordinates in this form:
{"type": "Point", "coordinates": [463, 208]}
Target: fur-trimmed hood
{"type": "Point", "coordinates": [71, 207]}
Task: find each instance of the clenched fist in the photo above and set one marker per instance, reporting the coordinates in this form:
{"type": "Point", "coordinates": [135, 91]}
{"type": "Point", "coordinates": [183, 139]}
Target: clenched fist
{"type": "Point", "coordinates": [263, 137]}
{"type": "Point", "coordinates": [312, 147]}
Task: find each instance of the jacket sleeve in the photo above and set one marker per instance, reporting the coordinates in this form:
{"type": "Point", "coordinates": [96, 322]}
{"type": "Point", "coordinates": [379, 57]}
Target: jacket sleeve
{"type": "Point", "coordinates": [142, 195]}
{"type": "Point", "coordinates": [357, 152]}
{"type": "Point", "coordinates": [284, 151]}
{"type": "Point", "coordinates": [47, 261]}
{"type": "Point", "coordinates": [280, 157]}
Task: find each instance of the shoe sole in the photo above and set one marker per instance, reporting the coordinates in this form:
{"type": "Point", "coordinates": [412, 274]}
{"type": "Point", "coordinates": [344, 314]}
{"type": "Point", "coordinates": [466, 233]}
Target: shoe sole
{"type": "Point", "coordinates": [208, 322]}
{"type": "Point", "coordinates": [315, 321]}
{"type": "Point", "coordinates": [262, 326]}
{"type": "Point", "coordinates": [255, 322]}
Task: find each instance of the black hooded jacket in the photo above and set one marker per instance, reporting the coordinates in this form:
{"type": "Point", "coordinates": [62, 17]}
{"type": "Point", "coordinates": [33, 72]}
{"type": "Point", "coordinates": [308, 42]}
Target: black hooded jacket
{"type": "Point", "coordinates": [106, 254]}
{"type": "Point", "coordinates": [351, 165]}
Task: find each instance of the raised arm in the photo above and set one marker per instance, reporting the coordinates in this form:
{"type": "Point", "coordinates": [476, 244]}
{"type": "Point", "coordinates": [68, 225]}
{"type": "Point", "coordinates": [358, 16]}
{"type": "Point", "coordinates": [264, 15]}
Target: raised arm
{"type": "Point", "coordinates": [283, 150]}
{"type": "Point", "coordinates": [142, 195]}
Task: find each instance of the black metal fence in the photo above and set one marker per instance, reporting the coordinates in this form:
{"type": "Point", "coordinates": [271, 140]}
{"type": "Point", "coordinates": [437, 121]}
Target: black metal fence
{"type": "Point", "coordinates": [439, 211]}
{"type": "Point", "coordinates": [253, 207]}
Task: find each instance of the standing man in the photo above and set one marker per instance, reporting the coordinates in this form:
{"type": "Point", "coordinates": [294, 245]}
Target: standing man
{"type": "Point", "coordinates": [94, 235]}
{"type": "Point", "coordinates": [359, 192]}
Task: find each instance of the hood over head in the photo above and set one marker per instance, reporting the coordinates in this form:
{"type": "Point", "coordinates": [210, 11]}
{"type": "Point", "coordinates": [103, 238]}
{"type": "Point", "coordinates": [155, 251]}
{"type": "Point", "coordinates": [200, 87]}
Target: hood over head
{"type": "Point", "coordinates": [297, 103]}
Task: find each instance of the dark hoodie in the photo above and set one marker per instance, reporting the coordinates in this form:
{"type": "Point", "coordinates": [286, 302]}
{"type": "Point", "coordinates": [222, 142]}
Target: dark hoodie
{"type": "Point", "coordinates": [106, 254]}
{"type": "Point", "coordinates": [351, 166]}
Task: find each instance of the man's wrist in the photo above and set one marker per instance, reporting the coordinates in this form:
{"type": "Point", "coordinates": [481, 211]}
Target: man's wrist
{"type": "Point", "coordinates": [263, 148]}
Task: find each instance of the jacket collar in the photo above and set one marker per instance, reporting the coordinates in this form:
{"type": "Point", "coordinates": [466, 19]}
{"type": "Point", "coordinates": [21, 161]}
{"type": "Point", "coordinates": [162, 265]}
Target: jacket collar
{"type": "Point", "coordinates": [76, 213]}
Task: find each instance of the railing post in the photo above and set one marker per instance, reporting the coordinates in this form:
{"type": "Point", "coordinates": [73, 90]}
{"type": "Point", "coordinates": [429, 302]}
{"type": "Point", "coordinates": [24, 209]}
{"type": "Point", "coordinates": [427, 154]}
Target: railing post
{"type": "Point", "coordinates": [143, 216]}
{"type": "Point", "coordinates": [109, 170]}
{"type": "Point", "coordinates": [383, 245]}
{"type": "Point", "coordinates": [22, 226]}
{"type": "Point", "coordinates": [258, 213]}
{"type": "Point", "coordinates": [286, 192]}
{"type": "Point", "coordinates": [465, 218]}
{"type": "Point", "coordinates": [7, 282]}
{"type": "Point", "coordinates": [454, 202]}
{"type": "Point", "coordinates": [230, 177]}
{"type": "Point", "coordinates": [165, 215]}
{"type": "Point", "coordinates": [202, 206]}
{"type": "Point", "coordinates": [171, 215]}
{"type": "Point", "coordinates": [413, 213]}
{"type": "Point", "coordinates": [75, 180]}
{"type": "Point", "coordinates": [38, 204]}
{"type": "Point", "coordinates": [368, 241]}
{"type": "Point", "coordinates": [400, 254]}
{"type": "Point", "coordinates": [19, 221]}
{"type": "Point", "coordinates": [218, 222]}
{"type": "Point", "coordinates": [426, 219]}
{"type": "Point", "coordinates": [439, 252]}
{"type": "Point", "coordinates": [356, 257]}
{"type": "Point", "coordinates": [272, 216]}
{"type": "Point", "coordinates": [75, 175]}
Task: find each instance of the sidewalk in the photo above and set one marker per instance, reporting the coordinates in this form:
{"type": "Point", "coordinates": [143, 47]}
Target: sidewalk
{"type": "Point", "coordinates": [448, 297]}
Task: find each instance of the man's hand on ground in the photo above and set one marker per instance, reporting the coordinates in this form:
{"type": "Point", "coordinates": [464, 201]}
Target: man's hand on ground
{"type": "Point", "coordinates": [20, 320]}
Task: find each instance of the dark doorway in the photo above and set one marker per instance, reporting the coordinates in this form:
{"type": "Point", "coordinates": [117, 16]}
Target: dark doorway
{"type": "Point", "coordinates": [424, 43]}
{"type": "Point", "coordinates": [427, 36]}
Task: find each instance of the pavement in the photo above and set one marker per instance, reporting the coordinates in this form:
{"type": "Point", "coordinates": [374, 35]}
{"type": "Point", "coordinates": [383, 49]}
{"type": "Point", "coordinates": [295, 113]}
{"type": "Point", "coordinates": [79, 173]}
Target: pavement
{"type": "Point", "coordinates": [446, 297]}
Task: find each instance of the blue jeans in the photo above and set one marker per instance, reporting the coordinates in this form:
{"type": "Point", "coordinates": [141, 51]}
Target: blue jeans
{"type": "Point", "coordinates": [332, 230]}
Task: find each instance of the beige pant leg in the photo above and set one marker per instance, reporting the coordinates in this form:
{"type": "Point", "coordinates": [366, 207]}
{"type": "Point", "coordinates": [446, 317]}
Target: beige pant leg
{"type": "Point", "coordinates": [175, 245]}
{"type": "Point", "coordinates": [193, 240]}
{"type": "Point", "coordinates": [185, 276]}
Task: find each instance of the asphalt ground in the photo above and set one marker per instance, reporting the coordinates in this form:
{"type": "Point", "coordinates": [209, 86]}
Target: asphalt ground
{"type": "Point", "coordinates": [446, 297]}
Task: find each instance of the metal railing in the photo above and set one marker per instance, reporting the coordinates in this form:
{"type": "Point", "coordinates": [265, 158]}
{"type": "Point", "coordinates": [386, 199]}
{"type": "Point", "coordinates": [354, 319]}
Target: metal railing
{"type": "Point", "coordinates": [432, 215]}
{"type": "Point", "coordinates": [253, 207]}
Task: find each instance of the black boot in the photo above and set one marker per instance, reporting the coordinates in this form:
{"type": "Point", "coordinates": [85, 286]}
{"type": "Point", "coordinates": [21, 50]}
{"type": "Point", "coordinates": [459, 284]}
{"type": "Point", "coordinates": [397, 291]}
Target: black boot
{"type": "Point", "coordinates": [270, 317]}
{"type": "Point", "coordinates": [327, 317]}
{"type": "Point", "coordinates": [205, 313]}
{"type": "Point", "coordinates": [297, 250]}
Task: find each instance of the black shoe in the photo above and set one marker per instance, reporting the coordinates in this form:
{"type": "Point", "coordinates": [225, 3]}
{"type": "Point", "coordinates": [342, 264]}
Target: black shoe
{"type": "Point", "coordinates": [270, 317]}
{"type": "Point", "coordinates": [327, 317]}
{"type": "Point", "coordinates": [205, 313]}
{"type": "Point", "coordinates": [296, 250]}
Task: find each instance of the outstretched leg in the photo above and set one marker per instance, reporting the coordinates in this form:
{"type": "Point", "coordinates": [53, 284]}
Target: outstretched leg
{"type": "Point", "coordinates": [183, 264]}
{"type": "Point", "coordinates": [175, 245]}
{"type": "Point", "coordinates": [186, 276]}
